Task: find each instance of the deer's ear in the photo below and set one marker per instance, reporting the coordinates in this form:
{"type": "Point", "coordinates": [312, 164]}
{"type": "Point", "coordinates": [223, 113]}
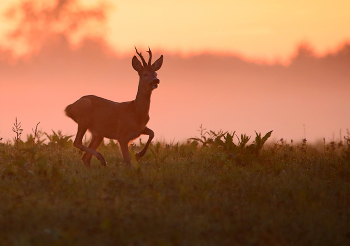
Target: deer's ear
{"type": "Point", "coordinates": [158, 63]}
{"type": "Point", "coordinates": [136, 64]}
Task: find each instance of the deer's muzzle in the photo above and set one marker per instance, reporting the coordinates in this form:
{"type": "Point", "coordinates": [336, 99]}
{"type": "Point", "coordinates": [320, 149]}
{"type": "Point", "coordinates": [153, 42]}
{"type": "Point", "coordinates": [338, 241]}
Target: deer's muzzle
{"type": "Point", "coordinates": [155, 83]}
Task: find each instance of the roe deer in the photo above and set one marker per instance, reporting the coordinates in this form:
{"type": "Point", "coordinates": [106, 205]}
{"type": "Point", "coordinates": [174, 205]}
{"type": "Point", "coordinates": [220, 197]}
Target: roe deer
{"type": "Point", "coordinates": [120, 121]}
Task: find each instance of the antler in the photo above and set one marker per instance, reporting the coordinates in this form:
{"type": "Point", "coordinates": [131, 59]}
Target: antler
{"type": "Point", "coordinates": [150, 56]}
{"type": "Point", "coordinates": [143, 60]}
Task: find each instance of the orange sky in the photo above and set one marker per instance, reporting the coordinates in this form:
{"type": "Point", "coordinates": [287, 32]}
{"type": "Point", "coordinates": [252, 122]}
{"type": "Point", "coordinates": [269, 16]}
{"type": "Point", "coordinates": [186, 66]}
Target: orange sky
{"type": "Point", "coordinates": [219, 91]}
{"type": "Point", "coordinates": [256, 29]}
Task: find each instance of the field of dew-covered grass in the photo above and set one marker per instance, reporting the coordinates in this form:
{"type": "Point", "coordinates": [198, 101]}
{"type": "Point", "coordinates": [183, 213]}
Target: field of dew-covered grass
{"type": "Point", "coordinates": [216, 189]}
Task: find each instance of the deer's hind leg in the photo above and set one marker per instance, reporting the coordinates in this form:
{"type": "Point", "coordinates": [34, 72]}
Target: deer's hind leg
{"type": "Point", "coordinates": [95, 142]}
{"type": "Point", "coordinates": [79, 144]}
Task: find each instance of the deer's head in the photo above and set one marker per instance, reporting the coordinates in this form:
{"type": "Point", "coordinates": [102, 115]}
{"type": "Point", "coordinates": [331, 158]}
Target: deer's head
{"type": "Point", "coordinates": [147, 71]}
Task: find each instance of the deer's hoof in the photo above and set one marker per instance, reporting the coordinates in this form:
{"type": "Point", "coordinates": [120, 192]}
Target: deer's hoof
{"type": "Point", "coordinates": [139, 155]}
{"type": "Point", "coordinates": [128, 165]}
{"type": "Point", "coordinates": [103, 162]}
{"type": "Point", "coordinates": [101, 159]}
{"type": "Point", "coordinates": [86, 164]}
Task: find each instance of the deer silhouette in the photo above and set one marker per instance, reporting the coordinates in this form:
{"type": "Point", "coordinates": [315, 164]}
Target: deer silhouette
{"type": "Point", "coordinates": [123, 121]}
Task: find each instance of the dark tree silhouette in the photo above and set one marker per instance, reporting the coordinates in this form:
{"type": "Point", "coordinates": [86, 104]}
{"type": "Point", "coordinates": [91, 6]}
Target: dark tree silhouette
{"type": "Point", "coordinates": [36, 22]}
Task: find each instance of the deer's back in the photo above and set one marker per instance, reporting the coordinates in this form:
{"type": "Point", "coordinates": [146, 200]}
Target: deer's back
{"type": "Point", "coordinates": [106, 118]}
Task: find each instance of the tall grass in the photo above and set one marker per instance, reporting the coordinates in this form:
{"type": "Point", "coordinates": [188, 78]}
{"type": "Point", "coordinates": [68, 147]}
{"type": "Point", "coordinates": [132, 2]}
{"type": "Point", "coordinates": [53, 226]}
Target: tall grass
{"type": "Point", "coordinates": [223, 192]}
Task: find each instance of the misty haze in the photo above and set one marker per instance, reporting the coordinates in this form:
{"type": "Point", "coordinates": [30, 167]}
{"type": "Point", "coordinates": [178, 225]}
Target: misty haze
{"type": "Point", "coordinates": [307, 98]}
{"type": "Point", "coordinates": [220, 92]}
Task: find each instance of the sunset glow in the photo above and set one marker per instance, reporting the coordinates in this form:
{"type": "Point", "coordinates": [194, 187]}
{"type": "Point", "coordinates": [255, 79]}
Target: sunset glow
{"type": "Point", "coordinates": [232, 65]}
{"type": "Point", "coordinates": [265, 30]}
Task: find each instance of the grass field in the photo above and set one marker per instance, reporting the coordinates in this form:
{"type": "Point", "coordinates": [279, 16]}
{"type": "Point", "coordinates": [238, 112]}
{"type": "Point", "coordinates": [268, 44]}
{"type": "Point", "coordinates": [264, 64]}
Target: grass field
{"type": "Point", "coordinates": [222, 193]}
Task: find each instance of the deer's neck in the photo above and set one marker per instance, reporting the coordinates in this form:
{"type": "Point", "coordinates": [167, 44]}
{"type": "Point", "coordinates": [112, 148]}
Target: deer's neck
{"type": "Point", "coordinates": [143, 102]}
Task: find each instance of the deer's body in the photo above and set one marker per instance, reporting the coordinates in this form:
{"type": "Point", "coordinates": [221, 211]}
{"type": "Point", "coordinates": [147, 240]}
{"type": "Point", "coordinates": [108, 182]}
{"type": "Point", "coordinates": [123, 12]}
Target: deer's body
{"type": "Point", "coordinates": [123, 122]}
{"type": "Point", "coordinates": [102, 117]}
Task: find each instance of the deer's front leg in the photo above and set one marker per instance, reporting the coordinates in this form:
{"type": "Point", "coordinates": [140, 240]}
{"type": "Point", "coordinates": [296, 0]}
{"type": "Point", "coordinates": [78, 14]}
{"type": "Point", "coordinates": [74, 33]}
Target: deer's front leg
{"type": "Point", "coordinates": [150, 133]}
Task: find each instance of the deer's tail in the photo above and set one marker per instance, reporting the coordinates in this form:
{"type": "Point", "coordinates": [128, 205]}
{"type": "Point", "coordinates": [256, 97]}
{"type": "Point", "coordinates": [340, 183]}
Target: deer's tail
{"type": "Point", "coordinates": [69, 110]}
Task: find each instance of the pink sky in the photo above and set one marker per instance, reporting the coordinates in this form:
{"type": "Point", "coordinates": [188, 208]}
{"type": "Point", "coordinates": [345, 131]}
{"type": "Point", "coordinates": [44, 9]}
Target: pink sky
{"type": "Point", "coordinates": [215, 88]}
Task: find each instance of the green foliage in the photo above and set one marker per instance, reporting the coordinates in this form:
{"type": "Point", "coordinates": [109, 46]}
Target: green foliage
{"type": "Point", "coordinates": [259, 142]}
{"type": "Point", "coordinates": [113, 144]}
{"type": "Point", "coordinates": [17, 129]}
{"type": "Point", "coordinates": [225, 192]}
{"type": "Point", "coordinates": [159, 153]}
{"type": "Point", "coordinates": [223, 146]}
{"type": "Point", "coordinates": [203, 139]}
{"type": "Point", "coordinates": [59, 140]}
